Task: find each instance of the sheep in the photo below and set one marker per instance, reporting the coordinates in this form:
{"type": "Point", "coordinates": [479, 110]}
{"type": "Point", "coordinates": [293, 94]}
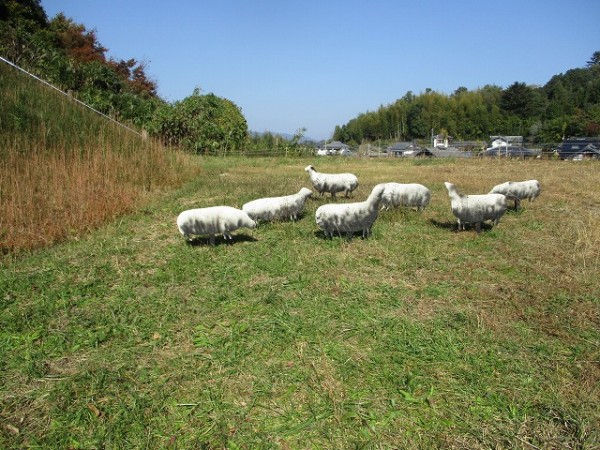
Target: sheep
{"type": "Point", "coordinates": [518, 190]}
{"type": "Point", "coordinates": [213, 220]}
{"type": "Point", "coordinates": [398, 194]}
{"type": "Point", "coordinates": [350, 217]}
{"type": "Point", "coordinates": [332, 182]}
{"type": "Point", "coordinates": [273, 208]}
{"type": "Point", "coordinates": [475, 209]}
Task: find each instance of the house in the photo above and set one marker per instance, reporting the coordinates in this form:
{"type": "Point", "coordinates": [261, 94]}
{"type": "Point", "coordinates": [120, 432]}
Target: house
{"type": "Point", "coordinates": [511, 151]}
{"type": "Point", "coordinates": [400, 149]}
{"type": "Point", "coordinates": [504, 141]}
{"type": "Point", "coordinates": [450, 152]}
{"type": "Point", "coordinates": [579, 148]}
{"type": "Point", "coordinates": [441, 140]}
{"type": "Point", "coordinates": [336, 147]}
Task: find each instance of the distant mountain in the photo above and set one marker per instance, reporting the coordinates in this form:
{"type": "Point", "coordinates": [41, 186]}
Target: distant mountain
{"type": "Point", "coordinates": [286, 136]}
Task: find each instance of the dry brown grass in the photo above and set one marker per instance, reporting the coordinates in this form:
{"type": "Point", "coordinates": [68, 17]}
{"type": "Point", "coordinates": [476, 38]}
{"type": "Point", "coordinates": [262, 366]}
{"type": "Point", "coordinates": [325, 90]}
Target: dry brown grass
{"type": "Point", "coordinates": [65, 170]}
{"type": "Point", "coordinates": [47, 196]}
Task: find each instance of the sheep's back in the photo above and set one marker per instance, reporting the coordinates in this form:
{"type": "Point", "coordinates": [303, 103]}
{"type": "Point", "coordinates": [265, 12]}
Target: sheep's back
{"type": "Point", "coordinates": [477, 208]}
{"type": "Point", "coordinates": [212, 220]}
{"type": "Point", "coordinates": [347, 217]}
{"type": "Point", "coordinates": [334, 182]}
{"type": "Point", "coordinates": [521, 189]}
{"type": "Point", "coordinates": [272, 208]}
{"type": "Point", "coordinates": [410, 194]}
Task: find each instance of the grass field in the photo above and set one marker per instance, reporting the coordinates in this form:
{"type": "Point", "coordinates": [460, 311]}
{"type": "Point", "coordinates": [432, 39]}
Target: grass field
{"type": "Point", "coordinates": [419, 337]}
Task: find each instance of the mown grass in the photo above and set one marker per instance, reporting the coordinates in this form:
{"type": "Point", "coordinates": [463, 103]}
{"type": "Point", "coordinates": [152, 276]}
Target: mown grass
{"type": "Point", "coordinates": [419, 337]}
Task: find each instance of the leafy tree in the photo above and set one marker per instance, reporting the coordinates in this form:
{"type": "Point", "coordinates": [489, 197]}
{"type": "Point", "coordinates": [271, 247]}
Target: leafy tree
{"type": "Point", "coordinates": [594, 60]}
{"type": "Point", "coordinates": [134, 75]}
{"type": "Point", "coordinates": [516, 98]}
{"type": "Point", "coordinates": [23, 24]}
{"type": "Point", "coordinates": [79, 43]}
{"type": "Point", "coordinates": [202, 123]}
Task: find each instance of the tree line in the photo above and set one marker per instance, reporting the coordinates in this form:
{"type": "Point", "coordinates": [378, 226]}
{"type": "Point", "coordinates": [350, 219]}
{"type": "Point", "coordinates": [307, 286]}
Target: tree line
{"type": "Point", "coordinates": [567, 105]}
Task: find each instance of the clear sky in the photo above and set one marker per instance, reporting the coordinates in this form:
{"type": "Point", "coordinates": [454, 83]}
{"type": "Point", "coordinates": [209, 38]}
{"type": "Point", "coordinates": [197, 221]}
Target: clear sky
{"type": "Point", "coordinates": [319, 63]}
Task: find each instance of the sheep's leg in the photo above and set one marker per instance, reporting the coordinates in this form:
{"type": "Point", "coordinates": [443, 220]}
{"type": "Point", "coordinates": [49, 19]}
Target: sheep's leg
{"type": "Point", "coordinates": [478, 227]}
{"type": "Point", "coordinates": [517, 203]}
{"type": "Point", "coordinates": [211, 239]}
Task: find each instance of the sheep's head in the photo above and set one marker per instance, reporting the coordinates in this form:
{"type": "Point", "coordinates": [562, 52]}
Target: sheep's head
{"type": "Point", "coordinates": [305, 192]}
{"type": "Point", "coordinates": [246, 221]}
{"type": "Point", "coordinates": [309, 168]}
{"type": "Point", "coordinates": [450, 186]}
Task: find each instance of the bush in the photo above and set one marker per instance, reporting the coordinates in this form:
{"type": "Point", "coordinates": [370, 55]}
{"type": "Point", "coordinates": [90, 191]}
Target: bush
{"type": "Point", "coordinates": [202, 124]}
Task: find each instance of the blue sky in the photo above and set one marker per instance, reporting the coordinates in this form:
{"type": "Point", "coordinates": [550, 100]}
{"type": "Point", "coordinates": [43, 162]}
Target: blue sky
{"type": "Point", "coordinates": [318, 64]}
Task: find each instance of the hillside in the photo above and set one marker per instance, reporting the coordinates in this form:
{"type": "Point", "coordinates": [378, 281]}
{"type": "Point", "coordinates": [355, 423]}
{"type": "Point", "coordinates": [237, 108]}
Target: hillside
{"type": "Point", "coordinates": [66, 169]}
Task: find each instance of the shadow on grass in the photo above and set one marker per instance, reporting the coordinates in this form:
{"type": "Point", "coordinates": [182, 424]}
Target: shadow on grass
{"type": "Point", "coordinates": [454, 226]}
{"type": "Point", "coordinates": [220, 240]}
{"type": "Point", "coordinates": [320, 234]}
{"type": "Point", "coordinates": [268, 223]}
{"type": "Point", "coordinates": [327, 198]}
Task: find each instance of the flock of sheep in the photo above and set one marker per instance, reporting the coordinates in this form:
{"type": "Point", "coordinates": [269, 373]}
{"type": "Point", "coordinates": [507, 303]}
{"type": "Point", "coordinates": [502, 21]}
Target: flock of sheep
{"type": "Point", "coordinates": [354, 217]}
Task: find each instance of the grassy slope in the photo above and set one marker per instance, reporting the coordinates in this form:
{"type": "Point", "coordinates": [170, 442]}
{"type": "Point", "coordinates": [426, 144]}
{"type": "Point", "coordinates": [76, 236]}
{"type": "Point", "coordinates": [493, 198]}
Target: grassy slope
{"type": "Point", "coordinates": [65, 170]}
{"type": "Point", "coordinates": [419, 337]}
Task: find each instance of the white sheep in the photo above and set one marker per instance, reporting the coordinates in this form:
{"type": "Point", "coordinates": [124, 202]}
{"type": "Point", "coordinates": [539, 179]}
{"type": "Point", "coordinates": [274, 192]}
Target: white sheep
{"type": "Point", "coordinates": [475, 209]}
{"type": "Point", "coordinates": [399, 194]}
{"type": "Point", "coordinates": [213, 220]}
{"type": "Point", "coordinates": [350, 217]}
{"type": "Point", "coordinates": [518, 190]}
{"type": "Point", "coordinates": [274, 208]}
{"type": "Point", "coordinates": [332, 182]}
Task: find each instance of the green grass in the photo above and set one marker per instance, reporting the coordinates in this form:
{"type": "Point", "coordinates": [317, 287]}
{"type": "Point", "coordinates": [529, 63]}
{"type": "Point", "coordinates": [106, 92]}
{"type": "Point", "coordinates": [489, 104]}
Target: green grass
{"type": "Point", "coordinates": [419, 337]}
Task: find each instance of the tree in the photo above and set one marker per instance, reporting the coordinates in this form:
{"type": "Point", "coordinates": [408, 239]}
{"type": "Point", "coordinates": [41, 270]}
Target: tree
{"type": "Point", "coordinates": [23, 31]}
{"type": "Point", "coordinates": [202, 123]}
{"type": "Point", "coordinates": [134, 75]}
{"type": "Point", "coordinates": [79, 43]}
{"type": "Point", "coordinates": [594, 60]}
